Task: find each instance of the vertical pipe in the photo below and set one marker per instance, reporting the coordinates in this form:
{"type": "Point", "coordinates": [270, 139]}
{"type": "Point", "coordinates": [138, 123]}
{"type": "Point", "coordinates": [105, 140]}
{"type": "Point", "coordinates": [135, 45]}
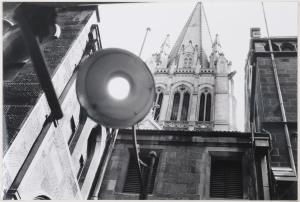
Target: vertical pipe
{"type": "Point", "coordinates": [137, 159]}
{"type": "Point", "coordinates": [144, 195]}
{"type": "Point", "coordinates": [253, 162]}
{"type": "Point", "coordinates": [286, 130]}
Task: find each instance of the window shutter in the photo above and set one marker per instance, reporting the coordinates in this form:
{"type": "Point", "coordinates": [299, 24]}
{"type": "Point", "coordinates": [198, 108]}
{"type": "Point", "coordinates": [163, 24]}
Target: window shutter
{"type": "Point", "coordinates": [226, 180]}
{"type": "Point", "coordinates": [132, 179]}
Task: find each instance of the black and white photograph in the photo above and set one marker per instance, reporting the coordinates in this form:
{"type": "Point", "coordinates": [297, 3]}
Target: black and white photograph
{"type": "Point", "coordinates": [161, 100]}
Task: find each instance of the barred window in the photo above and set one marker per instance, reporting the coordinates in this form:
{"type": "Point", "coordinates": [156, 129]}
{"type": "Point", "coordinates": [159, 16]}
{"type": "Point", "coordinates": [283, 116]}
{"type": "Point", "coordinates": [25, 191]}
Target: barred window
{"type": "Point", "coordinates": [132, 179]}
{"type": "Point", "coordinates": [226, 179]}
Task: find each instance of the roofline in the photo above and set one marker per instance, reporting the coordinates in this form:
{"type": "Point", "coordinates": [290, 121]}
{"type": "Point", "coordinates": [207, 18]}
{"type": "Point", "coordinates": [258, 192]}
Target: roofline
{"type": "Point", "coordinates": [236, 134]}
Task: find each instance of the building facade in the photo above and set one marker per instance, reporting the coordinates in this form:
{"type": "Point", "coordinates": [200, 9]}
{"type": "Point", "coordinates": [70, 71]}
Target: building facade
{"type": "Point", "coordinates": [192, 129]}
{"type": "Point", "coordinates": [271, 104]}
{"type": "Point", "coordinates": [45, 158]}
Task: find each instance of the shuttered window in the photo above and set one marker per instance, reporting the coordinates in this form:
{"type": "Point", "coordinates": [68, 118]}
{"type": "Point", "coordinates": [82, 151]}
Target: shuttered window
{"type": "Point", "coordinates": [226, 180]}
{"type": "Point", "coordinates": [132, 179]}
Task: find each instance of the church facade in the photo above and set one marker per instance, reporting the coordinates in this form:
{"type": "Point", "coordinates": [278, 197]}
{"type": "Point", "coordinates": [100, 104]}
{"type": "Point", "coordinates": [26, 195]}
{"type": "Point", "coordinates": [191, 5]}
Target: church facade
{"type": "Point", "coordinates": [192, 129]}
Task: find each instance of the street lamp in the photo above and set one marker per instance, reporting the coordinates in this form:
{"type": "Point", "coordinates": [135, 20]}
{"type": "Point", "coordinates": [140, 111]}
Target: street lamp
{"type": "Point", "coordinates": [116, 89]}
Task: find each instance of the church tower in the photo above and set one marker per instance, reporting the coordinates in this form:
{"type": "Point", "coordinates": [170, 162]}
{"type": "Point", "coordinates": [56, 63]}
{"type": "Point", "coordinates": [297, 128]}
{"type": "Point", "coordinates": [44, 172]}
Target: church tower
{"type": "Point", "coordinates": [194, 86]}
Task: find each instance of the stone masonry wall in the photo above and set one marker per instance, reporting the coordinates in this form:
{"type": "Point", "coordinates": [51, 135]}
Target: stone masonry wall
{"type": "Point", "coordinates": [287, 73]}
{"type": "Point", "coordinates": [269, 107]}
{"type": "Point", "coordinates": [183, 170]}
{"type": "Point", "coordinates": [50, 171]}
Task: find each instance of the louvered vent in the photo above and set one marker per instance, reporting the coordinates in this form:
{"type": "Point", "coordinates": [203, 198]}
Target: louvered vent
{"type": "Point", "coordinates": [132, 179]}
{"type": "Point", "coordinates": [226, 180]}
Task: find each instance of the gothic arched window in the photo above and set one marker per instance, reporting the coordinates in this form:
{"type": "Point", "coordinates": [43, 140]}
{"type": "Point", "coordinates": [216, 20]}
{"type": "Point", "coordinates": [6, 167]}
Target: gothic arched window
{"type": "Point", "coordinates": [185, 106]}
{"type": "Point", "coordinates": [190, 64]}
{"type": "Point", "coordinates": [181, 101]}
{"type": "Point", "coordinates": [175, 106]}
{"type": "Point", "coordinates": [158, 101]}
{"type": "Point", "coordinates": [205, 106]}
{"type": "Point", "coordinates": [188, 61]}
{"type": "Point", "coordinates": [185, 62]}
{"type": "Point", "coordinates": [201, 111]}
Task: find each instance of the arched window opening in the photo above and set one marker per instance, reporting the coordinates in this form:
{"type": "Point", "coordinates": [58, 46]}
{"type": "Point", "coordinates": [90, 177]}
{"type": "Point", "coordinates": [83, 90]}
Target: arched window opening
{"type": "Point", "coordinates": [185, 107]}
{"type": "Point", "coordinates": [201, 111]}
{"type": "Point", "coordinates": [190, 64]}
{"type": "Point", "coordinates": [274, 47]}
{"type": "Point", "coordinates": [208, 107]}
{"type": "Point", "coordinates": [287, 47]}
{"type": "Point", "coordinates": [185, 64]}
{"type": "Point", "coordinates": [42, 197]}
{"type": "Point", "coordinates": [205, 106]}
{"type": "Point", "coordinates": [158, 102]}
{"type": "Point", "coordinates": [175, 106]}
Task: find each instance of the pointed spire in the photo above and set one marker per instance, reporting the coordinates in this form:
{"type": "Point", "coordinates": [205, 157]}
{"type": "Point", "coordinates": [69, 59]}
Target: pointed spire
{"type": "Point", "coordinates": [217, 40]}
{"type": "Point", "coordinates": [216, 49]}
{"type": "Point", "coordinates": [165, 47]}
{"type": "Point", "coordinates": [195, 30]}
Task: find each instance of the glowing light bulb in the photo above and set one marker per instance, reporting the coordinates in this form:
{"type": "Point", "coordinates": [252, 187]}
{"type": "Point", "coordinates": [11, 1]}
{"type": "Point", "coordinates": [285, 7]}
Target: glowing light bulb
{"type": "Point", "coordinates": [118, 88]}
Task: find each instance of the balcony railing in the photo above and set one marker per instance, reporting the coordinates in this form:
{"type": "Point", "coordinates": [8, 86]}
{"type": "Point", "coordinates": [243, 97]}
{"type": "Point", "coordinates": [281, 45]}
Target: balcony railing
{"type": "Point", "coordinates": [184, 71]}
{"type": "Point", "coordinates": [162, 71]}
{"type": "Point", "coordinates": [203, 126]}
{"type": "Point", "coordinates": [188, 125]}
{"type": "Point", "coordinates": [207, 70]}
{"type": "Point", "coordinates": [176, 125]}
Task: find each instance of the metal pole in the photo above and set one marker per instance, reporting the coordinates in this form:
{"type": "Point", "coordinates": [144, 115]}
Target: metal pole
{"type": "Point", "coordinates": [39, 63]}
{"type": "Point", "coordinates": [148, 29]}
{"type": "Point", "coordinates": [144, 195]}
{"type": "Point", "coordinates": [286, 130]}
{"type": "Point", "coordinates": [137, 159]}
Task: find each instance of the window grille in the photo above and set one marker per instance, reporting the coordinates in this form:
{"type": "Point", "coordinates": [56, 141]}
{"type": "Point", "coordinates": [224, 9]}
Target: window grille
{"type": "Point", "coordinates": [226, 180]}
{"type": "Point", "coordinates": [132, 179]}
{"type": "Point", "coordinates": [185, 106]}
{"type": "Point", "coordinates": [175, 106]}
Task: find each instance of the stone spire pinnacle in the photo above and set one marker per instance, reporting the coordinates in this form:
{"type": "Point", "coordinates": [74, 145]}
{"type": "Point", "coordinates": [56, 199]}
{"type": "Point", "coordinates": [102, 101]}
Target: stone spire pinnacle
{"type": "Point", "coordinates": [165, 47]}
{"type": "Point", "coordinates": [217, 45]}
{"type": "Point", "coordinates": [195, 30]}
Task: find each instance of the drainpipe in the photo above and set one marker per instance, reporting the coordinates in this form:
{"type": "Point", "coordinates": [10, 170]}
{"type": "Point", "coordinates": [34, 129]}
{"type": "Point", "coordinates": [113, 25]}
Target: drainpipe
{"type": "Point", "coordinates": [103, 163]}
{"type": "Point", "coordinates": [253, 162]}
{"type": "Point", "coordinates": [286, 130]}
{"type": "Point", "coordinates": [269, 165]}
